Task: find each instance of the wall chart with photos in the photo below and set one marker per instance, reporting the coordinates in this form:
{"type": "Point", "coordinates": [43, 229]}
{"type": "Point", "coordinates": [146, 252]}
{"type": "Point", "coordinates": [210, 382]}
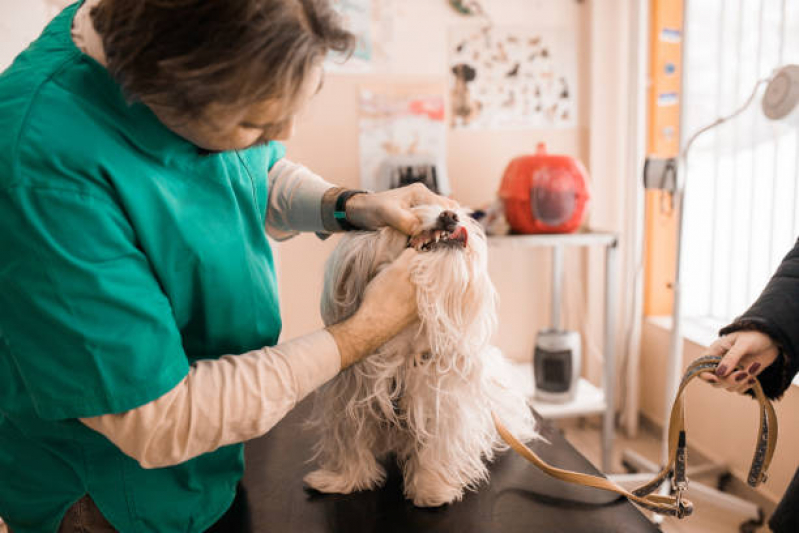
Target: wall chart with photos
{"type": "Point", "coordinates": [509, 77]}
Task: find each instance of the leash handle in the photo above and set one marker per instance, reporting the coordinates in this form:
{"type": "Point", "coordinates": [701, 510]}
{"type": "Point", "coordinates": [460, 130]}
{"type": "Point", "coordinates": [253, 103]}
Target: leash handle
{"type": "Point", "coordinates": [643, 496]}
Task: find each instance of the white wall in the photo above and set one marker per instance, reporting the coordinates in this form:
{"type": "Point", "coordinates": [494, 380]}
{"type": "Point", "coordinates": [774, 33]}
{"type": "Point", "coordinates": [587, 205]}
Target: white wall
{"type": "Point", "coordinates": [21, 21]}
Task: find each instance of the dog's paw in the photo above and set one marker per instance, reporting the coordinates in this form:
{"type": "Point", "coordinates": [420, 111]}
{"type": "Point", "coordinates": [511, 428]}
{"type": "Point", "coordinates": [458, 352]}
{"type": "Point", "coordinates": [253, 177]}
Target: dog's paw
{"type": "Point", "coordinates": [436, 498]}
{"type": "Point", "coordinates": [331, 482]}
{"type": "Point", "coordinates": [429, 490]}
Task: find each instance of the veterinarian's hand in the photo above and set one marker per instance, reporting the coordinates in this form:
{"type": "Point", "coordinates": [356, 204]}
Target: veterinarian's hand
{"type": "Point", "coordinates": [752, 350]}
{"type": "Point", "coordinates": [388, 307]}
{"type": "Point", "coordinates": [393, 208]}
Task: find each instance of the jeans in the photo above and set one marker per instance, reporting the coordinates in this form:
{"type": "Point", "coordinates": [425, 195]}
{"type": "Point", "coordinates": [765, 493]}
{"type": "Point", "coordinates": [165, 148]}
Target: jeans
{"type": "Point", "coordinates": [85, 517]}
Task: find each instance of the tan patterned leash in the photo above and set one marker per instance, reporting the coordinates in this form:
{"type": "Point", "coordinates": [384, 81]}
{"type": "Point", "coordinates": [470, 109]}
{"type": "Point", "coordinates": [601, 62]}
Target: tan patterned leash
{"type": "Point", "coordinates": [675, 505]}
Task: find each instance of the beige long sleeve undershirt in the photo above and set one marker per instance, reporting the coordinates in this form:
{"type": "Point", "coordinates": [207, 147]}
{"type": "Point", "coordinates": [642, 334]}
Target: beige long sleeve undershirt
{"type": "Point", "coordinates": [223, 401]}
{"type": "Point", "coordinates": [237, 397]}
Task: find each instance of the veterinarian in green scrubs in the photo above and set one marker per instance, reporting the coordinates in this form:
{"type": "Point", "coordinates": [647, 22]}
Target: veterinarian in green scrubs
{"type": "Point", "coordinates": [139, 174]}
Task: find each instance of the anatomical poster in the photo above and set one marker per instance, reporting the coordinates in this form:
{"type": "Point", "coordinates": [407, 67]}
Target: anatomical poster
{"type": "Point", "coordinates": [403, 136]}
{"type": "Point", "coordinates": [505, 77]}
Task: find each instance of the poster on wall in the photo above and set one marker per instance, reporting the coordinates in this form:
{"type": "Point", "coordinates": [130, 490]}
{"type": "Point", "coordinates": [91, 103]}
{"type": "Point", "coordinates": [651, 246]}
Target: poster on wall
{"type": "Point", "coordinates": [510, 77]}
{"type": "Point", "coordinates": [370, 21]}
{"type": "Point", "coordinates": [403, 136]}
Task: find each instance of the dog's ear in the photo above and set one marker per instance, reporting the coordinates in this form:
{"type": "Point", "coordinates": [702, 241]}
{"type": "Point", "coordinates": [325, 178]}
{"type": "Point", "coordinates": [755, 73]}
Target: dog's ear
{"type": "Point", "coordinates": [347, 272]}
{"type": "Point", "coordinates": [465, 72]}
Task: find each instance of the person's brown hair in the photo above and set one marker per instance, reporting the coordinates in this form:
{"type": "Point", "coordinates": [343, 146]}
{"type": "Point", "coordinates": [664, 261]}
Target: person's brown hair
{"type": "Point", "coordinates": [183, 55]}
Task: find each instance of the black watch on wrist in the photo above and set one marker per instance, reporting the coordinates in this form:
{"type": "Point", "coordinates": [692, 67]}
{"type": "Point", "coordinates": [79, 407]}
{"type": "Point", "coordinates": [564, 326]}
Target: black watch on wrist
{"type": "Point", "coordinates": [340, 210]}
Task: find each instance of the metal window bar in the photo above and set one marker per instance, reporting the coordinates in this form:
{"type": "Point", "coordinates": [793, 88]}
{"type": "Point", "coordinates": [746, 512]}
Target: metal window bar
{"type": "Point", "coordinates": [775, 139]}
{"type": "Point", "coordinates": [753, 182]}
{"type": "Point", "coordinates": [795, 188]}
{"type": "Point", "coordinates": [734, 178]}
{"type": "Point", "coordinates": [747, 261]}
{"type": "Point", "coordinates": [716, 157]}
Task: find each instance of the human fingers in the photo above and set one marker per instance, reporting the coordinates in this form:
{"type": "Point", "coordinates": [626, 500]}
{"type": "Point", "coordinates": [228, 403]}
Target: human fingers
{"type": "Point", "coordinates": [391, 295]}
{"type": "Point", "coordinates": [732, 357]}
{"type": "Point", "coordinates": [744, 385]}
{"type": "Point", "coordinates": [734, 380]}
{"type": "Point", "coordinates": [755, 367]}
{"type": "Point", "coordinates": [401, 265]}
{"type": "Point", "coordinates": [403, 220]}
{"type": "Point", "coordinates": [421, 195]}
{"type": "Point", "coordinates": [721, 345]}
{"type": "Point", "coordinates": [757, 363]}
{"type": "Point", "coordinates": [406, 257]}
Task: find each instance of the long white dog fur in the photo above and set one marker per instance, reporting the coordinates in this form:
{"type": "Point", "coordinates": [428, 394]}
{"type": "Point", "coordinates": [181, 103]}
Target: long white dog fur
{"type": "Point", "coordinates": [427, 395]}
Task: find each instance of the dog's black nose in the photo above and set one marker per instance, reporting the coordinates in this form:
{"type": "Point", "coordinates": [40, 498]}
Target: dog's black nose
{"type": "Point", "coordinates": [448, 221]}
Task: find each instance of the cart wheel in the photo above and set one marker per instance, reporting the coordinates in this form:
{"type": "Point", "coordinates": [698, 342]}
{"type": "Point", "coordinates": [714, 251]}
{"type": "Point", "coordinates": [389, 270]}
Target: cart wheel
{"type": "Point", "coordinates": [751, 526]}
{"type": "Point", "coordinates": [629, 467]}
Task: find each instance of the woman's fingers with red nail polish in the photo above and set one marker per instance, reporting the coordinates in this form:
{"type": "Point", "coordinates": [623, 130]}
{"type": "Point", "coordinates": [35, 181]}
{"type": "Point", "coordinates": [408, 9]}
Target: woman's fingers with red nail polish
{"type": "Point", "coordinates": [731, 358]}
{"type": "Point", "coordinates": [733, 380]}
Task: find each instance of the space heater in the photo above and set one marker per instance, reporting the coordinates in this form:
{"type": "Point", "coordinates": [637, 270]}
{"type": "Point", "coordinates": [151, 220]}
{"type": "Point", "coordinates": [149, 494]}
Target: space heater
{"type": "Point", "coordinates": [544, 193]}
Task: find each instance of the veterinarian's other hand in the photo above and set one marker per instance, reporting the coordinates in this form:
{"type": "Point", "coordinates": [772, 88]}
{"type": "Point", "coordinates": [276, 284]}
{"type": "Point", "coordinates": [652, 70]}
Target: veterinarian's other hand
{"type": "Point", "coordinates": [752, 350]}
{"type": "Point", "coordinates": [393, 208]}
{"type": "Point", "coordinates": [388, 307]}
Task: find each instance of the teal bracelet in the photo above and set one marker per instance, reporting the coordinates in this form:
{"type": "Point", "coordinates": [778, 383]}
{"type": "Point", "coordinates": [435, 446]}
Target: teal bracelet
{"type": "Point", "coordinates": [340, 210]}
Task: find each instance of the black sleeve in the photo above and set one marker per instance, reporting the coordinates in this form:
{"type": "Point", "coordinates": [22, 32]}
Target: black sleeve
{"type": "Point", "coordinates": [776, 313]}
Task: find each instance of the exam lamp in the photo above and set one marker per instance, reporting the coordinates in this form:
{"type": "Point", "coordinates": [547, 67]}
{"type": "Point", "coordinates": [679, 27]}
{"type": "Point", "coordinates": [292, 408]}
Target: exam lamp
{"type": "Point", "coordinates": [781, 99]}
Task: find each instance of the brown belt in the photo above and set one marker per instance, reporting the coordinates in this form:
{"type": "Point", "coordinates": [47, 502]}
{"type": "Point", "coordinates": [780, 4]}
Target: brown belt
{"type": "Point", "coordinates": [674, 505]}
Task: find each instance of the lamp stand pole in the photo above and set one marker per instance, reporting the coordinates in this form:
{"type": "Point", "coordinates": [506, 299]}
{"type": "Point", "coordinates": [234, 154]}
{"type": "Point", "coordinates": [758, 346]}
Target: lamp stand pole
{"type": "Point", "coordinates": [751, 513]}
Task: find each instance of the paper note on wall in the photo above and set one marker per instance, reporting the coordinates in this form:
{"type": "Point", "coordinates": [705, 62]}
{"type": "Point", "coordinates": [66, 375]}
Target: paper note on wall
{"type": "Point", "coordinates": [371, 23]}
{"type": "Point", "coordinates": [401, 122]}
{"type": "Point", "coordinates": [507, 77]}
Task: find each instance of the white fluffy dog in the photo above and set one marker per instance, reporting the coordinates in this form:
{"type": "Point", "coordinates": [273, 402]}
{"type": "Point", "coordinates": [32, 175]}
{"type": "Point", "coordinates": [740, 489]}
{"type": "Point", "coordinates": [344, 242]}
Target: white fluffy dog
{"type": "Point", "coordinates": [426, 395]}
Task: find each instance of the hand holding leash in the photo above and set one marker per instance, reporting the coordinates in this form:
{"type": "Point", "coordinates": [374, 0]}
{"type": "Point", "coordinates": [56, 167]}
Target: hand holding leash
{"type": "Point", "coordinates": [753, 351]}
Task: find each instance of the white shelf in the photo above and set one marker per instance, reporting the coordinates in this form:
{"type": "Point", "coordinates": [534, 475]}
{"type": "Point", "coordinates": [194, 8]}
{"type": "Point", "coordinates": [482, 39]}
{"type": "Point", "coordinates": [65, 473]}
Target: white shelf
{"type": "Point", "coordinates": [587, 238]}
{"type": "Point", "coordinates": [589, 399]}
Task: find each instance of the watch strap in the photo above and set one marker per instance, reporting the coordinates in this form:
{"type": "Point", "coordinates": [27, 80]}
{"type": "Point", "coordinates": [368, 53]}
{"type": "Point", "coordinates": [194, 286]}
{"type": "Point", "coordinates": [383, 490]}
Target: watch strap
{"type": "Point", "coordinates": [340, 209]}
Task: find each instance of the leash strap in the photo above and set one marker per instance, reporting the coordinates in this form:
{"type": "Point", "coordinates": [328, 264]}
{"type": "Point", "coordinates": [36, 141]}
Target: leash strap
{"type": "Point", "coordinates": [675, 505]}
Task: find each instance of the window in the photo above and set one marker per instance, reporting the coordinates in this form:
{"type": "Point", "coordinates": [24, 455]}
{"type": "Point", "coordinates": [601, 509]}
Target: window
{"type": "Point", "coordinates": [741, 214]}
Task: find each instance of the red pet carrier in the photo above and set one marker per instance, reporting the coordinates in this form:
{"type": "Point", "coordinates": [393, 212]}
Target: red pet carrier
{"type": "Point", "coordinates": [544, 193]}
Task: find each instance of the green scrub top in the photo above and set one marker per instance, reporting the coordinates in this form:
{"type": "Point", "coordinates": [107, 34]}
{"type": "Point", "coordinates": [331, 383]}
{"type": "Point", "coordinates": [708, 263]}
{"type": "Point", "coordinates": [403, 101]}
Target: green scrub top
{"type": "Point", "coordinates": [125, 255]}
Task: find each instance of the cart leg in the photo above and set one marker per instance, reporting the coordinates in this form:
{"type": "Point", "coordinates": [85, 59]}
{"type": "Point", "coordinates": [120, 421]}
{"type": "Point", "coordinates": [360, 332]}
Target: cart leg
{"type": "Point", "coordinates": [608, 374]}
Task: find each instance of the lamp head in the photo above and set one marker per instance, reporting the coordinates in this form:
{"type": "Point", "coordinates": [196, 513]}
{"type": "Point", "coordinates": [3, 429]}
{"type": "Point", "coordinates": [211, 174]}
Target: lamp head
{"type": "Point", "coordinates": [782, 93]}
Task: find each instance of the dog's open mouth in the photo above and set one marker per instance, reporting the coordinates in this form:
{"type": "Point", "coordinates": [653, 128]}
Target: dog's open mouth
{"type": "Point", "coordinates": [436, 239]}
